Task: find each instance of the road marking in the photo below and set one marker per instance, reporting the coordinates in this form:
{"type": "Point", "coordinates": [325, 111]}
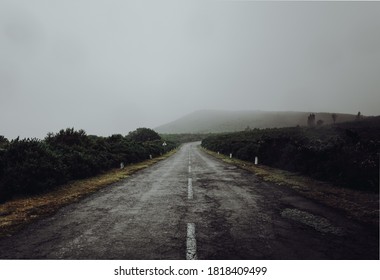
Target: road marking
{"type": "Point", "coordinates": [189, 188]}
{"type": "Point", "coordinates": [189, 168]}
{"type": "Point", "coordinates": [191, 243]}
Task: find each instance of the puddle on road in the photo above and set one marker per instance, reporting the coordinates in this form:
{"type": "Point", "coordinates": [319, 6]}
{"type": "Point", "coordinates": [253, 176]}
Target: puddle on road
{"type": "Point", "coordinates": [320, 224]}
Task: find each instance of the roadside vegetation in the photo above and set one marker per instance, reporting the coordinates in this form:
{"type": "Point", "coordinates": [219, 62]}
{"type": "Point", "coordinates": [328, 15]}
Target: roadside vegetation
{"type": "Point", "coordinates": [18, 212]}
{"type": "Point", "coordinates": [345, 154]}
{"type": "Point", "coordinates": [33, 166]}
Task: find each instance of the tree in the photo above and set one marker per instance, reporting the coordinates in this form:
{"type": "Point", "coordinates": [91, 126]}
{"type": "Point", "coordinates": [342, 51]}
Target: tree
{"type": "Point", "coordinates": [334, 117]}
{"type": "Point", "coordinates": [143, 134]}
{"type": "Point", "coordinates": [358, 116]}
{"type": "Point", "coordinates": [68, 137]}
{"type": "Point", "coordinates": [311, 120]}
{"type": "Point", "coordinates": [3, 142]}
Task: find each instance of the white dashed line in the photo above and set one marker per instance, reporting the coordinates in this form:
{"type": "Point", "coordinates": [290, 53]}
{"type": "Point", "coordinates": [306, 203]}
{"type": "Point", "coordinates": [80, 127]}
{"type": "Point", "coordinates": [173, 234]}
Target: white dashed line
{"type": "Point", "coordinates": [189, 188]}
{"type": "Point", "coordinates": [191, 243]}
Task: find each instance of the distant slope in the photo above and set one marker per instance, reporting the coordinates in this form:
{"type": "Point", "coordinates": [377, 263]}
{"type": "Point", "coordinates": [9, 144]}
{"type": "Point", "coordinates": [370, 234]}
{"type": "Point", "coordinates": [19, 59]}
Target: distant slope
{"type": "Point", "coordinates": [206, 121]}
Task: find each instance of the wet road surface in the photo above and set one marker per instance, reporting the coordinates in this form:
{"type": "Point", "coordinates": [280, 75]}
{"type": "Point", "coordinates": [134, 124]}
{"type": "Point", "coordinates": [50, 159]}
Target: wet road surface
{"type": "Point", "coordinates": [192, 206]}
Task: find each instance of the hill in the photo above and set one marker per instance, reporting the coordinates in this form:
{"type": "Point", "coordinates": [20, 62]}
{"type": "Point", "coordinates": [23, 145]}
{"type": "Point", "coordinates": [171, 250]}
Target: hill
{"type": "Point", "coordinates": [214, 121]}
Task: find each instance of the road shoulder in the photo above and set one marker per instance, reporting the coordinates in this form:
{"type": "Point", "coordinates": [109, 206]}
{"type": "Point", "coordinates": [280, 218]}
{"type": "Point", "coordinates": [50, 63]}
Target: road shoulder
{"type": "Point", "coordinates": [19, 212]}
{"type": "Point", "coordinates": [360, 206]}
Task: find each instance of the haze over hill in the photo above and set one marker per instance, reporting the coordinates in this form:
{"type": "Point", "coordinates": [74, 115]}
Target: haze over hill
{"type": "Point", "coordinates": [122, 64]}
{"type": "Point", "coordinates": [205, 121]}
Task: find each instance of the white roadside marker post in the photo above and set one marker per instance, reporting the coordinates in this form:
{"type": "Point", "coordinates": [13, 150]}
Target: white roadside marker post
{"type": "Point", "coordinates": [256, 160]}
{"type": "Point", "coordinates": [230, 155]}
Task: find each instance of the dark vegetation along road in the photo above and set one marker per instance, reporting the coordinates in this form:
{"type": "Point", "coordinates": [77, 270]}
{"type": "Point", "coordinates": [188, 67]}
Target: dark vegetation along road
{"type": "Point", "coordinates": [192, 206]}
{"type": "Point", "coordinates": [345, 154]}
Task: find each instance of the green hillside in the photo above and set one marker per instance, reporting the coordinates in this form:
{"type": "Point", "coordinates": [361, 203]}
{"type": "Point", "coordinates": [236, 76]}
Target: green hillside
{"type": "Point", "coordinates": [212, 121]}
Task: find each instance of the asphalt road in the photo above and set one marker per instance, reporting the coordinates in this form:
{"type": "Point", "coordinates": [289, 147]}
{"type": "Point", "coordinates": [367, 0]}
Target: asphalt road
{"type": "Point", "coordinates": [192, 206]}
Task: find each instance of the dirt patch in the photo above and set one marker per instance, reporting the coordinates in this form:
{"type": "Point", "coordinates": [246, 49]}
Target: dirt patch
{"type": "Point", "coordinates": [360, 206]}
{"type": "Point", "coordinates": [17, 213]}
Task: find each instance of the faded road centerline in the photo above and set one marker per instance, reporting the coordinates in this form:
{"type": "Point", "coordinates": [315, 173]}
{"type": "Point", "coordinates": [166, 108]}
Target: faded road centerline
{"type": "Point", "coordinates": [189, 189]}
{"type": "Point", "coordinates": [191, 243]}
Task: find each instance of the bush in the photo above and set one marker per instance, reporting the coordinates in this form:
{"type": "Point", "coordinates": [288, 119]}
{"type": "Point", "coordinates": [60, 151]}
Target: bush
{"type": "Point", "coordinates": [143, 135]}
{"type": "Point", "coordinates": [32, 166]}
{"type": "Point", "coordinates": [29, 166]}
{"type": "Point", "coordinates": [346, 155]}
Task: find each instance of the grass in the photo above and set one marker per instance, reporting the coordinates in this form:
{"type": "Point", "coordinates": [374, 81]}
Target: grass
{"type": "Point", "coordinates": [18, 212]}
{"type": "Point", "coordinates": [360, 206]}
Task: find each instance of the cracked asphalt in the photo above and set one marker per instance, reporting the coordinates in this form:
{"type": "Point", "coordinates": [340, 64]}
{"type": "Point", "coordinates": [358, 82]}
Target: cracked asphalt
{"type": "Point", "coordinates": [235, 216]}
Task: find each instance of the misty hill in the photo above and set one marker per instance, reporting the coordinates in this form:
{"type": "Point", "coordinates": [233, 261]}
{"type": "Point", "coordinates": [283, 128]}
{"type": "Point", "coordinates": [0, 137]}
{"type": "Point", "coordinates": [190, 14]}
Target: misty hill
{"type": "Point", "coordinates": [206, 121]}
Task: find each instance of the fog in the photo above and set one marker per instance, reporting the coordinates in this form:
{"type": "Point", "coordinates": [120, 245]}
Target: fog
{"type": "Point", "coordinates": [112, 66]}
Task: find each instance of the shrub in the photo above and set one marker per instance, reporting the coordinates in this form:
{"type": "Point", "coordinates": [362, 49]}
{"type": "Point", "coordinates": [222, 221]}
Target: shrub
{"type": "Point", "coordinates": [32, 166]}
{"type": "Point", "coordinates": [344, 154]}
{"type": "Point", "coordinates": [29, 166]}
{"type": "Point", "coordinates": [143, 135]}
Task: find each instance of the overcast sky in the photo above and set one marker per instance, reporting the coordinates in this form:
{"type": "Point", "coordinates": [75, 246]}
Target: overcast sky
{"type": "Point", "coordinates": [112, 66]}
